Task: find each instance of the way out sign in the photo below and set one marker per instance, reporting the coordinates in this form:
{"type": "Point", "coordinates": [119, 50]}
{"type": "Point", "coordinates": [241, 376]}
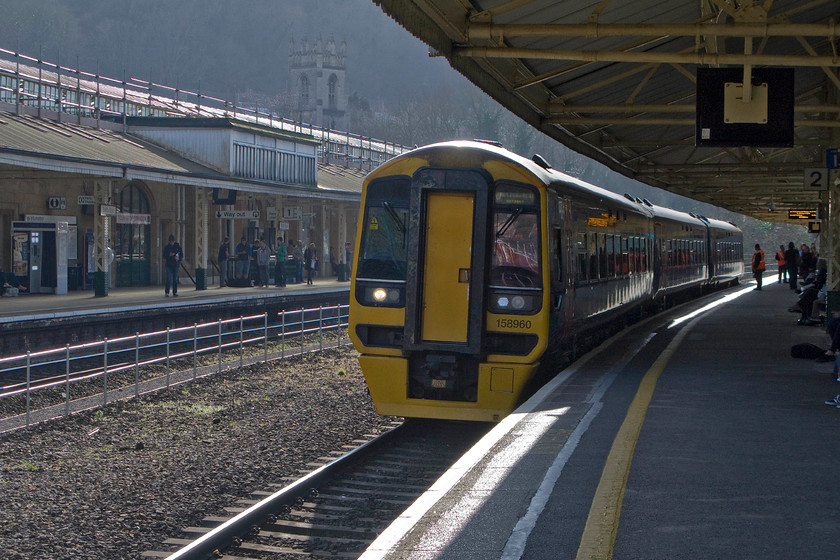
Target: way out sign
{"type": "Point", "coordinates": [238, 214]}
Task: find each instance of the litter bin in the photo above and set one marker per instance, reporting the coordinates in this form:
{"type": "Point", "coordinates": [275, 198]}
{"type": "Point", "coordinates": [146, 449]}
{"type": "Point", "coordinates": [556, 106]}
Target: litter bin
{"type": "Point", "coordinates": [74, 277]}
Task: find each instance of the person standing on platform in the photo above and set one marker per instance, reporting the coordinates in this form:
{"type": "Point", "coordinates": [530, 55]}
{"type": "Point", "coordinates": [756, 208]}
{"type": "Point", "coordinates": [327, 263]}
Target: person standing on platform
{"type": "Point", "coordinates": [254, 276]}
{"type": "Point", "coordinates": [348, 258]}
{"type": "Point", "coordinates": [262, 264]}
{"type": "Point", "coordinates": [297, 253]}
{"type": "Point", "coordinates": [282, 254]}
{"type": "Point", "coordinates": [172, 256]}
{"type": "Point", "coordinates": [224, 253]}
{"type": "Point", "coordinates": [781, 263]}
{"type": "Point", "coordinates": [243, 260]}
{"type": "Point", "coordinates": [806, 263]}
{"type": "Point", "coordinates": [792, 263]}
{"type": "Point", "coordinates": [310, 260]}
{"type": "Point", "coordinates": [758, 265]}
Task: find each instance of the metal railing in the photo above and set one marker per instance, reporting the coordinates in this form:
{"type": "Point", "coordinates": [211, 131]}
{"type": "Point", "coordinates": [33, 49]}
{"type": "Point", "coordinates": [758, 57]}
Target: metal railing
{"type": "Point", "coordinates": [117, 368]}
{"type": "Point", "coordinates": [34, 82]}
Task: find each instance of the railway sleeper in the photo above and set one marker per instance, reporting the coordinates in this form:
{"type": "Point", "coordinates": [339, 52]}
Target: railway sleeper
{"type": "Point", "coordinates": [267, 548]}
{"type": "Point", "coordinates": [278, 533]}
{"type": "Point", "coordinates": [367, 492]}
{"type": "Point", "coordinates": [345, 498]}
{"type": "Point", "coordinates": [397, 482]}
{"type": "Point", "coordinates": [319, 530]}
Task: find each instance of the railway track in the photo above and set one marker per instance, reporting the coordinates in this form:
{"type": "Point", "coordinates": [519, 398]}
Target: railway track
{"type": "Point", "coordinates": [337, 509]}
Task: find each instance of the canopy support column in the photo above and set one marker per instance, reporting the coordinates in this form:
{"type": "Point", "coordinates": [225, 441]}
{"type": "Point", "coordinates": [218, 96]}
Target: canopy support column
{"type": "Point", "coordinates": [201, 238]}
{"type": "Point", "coordinates": [103, 255]}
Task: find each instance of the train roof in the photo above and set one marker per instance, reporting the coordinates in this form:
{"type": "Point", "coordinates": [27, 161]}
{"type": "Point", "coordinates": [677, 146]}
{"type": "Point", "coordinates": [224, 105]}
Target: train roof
{"type": "Point", "coordinates": [549, 176]}
{"type": "Point", "coordinates": [676, 215]}
{"type": "Point", "coordinates": [724, 226]}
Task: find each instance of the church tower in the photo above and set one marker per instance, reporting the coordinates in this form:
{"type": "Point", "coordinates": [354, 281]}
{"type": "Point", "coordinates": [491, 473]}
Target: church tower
{"type": "Point", "coordinates": [318, 80]}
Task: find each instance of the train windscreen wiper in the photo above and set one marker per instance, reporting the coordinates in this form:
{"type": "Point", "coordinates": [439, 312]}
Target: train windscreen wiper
{"type": "Point", "coordinates": [394, 216]}
{"type": "Point", "coordinates": [509, 222]}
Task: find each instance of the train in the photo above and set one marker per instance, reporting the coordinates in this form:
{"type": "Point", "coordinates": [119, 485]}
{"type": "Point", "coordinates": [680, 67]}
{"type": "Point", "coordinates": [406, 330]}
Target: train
{"type": "Point", "coordinates": [478, 273]}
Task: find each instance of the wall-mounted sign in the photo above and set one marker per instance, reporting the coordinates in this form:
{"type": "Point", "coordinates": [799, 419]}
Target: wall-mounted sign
{"type": "Point", "coordinates": [238, 214]}
{"type": "Point", "coordinates": [292, 213]}
{"type": "Point", "coordinates": [56, 203]}
{"type": "Point", "coordinates": [271, 213]}
{"type": "Point", "coordinates": [816, 179]}
{"type": "Point", "coordinates": [107, 210]}
{"type": "Point", "coordinates": [85, 200]}
{"type": "Point", "coordinates": [135, 219]}
{"type": "Point", "coordinates": [802, 214]}
{"type": "Point", "coordinates": [42, 219]}
{"type": "Point", "coordinates": [832, 158]}
{"type": "Point", "coordinates": [283, 226]}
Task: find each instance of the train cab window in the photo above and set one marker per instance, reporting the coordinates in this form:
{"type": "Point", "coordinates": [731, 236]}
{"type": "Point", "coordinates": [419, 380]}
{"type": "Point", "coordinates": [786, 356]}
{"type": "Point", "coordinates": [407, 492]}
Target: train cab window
{"type": "Point", "coordinates": [383, 247]}
{"type": "Point", "coordinates": [516, 246]}
{"type": "Point", "coordinates": [515, 268]}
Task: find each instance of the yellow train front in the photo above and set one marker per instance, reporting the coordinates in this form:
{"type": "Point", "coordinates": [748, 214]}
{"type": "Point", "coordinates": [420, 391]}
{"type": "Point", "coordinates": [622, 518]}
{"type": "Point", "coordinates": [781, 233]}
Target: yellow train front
{"type": "Point", "coordinates": [448, 303]}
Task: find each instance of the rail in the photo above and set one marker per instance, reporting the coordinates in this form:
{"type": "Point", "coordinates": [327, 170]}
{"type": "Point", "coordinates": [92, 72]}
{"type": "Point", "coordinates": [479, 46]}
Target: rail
{"type": "Point", "coordinates": [110, 367]}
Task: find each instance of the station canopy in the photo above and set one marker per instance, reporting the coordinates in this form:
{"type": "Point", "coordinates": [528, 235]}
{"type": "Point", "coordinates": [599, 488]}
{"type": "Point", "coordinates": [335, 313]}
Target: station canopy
{"type": "Point", "coordinates": [731, 102]}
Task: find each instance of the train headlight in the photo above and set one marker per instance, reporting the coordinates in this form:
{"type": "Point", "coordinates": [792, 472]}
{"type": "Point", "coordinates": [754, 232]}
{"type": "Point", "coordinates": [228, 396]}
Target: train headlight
{"type": "Point", "coordinates": [384, 296]}
{"type": "Point", "coordinates": [514, 303]}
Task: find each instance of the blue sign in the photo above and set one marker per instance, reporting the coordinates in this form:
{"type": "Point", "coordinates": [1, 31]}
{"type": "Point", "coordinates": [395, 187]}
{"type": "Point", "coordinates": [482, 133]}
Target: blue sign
{"type": "Point", "coordinates": [832, 158]}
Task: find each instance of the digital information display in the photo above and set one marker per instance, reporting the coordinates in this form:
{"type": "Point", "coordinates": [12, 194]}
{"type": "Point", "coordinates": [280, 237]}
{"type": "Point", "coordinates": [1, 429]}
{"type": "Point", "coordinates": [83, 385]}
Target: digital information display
{"type": "Point", "coordinates": [802, 214]}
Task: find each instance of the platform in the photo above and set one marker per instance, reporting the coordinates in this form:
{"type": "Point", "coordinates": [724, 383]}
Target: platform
{"type": "Point", "coordinates": [75, 303]}
{"type": "Point", "coordinates": [43, 321]}
{"type": "Point", "coordinates": [686, 436]}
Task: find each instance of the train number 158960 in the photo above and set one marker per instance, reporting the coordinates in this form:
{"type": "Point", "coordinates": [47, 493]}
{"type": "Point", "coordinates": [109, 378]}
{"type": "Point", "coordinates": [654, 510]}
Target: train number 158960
{"type": "Point", "coordinates": [513, 323]}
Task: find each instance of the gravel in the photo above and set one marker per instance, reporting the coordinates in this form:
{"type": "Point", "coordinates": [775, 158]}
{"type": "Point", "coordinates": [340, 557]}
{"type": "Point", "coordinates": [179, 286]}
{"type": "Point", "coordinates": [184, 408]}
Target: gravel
{"type": "Point", "coordinates": [114, 482]}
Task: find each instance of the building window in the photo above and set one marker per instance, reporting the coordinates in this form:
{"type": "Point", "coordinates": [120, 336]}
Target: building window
{"type": "Point", "coordinates": [333, 91]}
{"type": "Point", "coordinates": [304, 92]}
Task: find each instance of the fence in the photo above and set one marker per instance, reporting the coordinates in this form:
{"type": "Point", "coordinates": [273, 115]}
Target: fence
{"type": "Point", "coordinates": [119, 362]}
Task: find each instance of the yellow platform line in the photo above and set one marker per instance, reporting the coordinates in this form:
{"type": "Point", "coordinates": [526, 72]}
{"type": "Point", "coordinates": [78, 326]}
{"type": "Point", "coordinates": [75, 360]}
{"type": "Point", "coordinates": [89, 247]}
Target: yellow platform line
{"type": "Point", "coordinates": [598, 537]}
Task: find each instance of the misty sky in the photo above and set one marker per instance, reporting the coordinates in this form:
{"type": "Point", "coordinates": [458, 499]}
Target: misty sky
{"type": "Point", "coordinates": [223, 47]}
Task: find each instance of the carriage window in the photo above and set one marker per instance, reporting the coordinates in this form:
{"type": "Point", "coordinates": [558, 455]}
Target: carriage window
{"type": "Point", "coordinates": [592, 251]}
{"type": "Point", "coordinates": [602, 254]}
{"type": "Point", "coordinates": [383, 247]}
{"type": "Point", "coordinates": [516, 245]}
{"type": "Point", "coordinates": [625, 261]}
{"type": "Point", "coordinates": [582, 261]}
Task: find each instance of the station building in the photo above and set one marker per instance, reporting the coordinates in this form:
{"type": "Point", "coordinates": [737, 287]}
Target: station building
{"type": "Point", "coordinates": [96, 174]}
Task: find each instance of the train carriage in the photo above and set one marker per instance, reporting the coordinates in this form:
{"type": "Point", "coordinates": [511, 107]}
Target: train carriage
{"type": "Point", "coordinates": [477, 269]}
{"type": "Point", "coordinates": [726, 256]}
{"type": "Point", "coordinates": [681, 252]}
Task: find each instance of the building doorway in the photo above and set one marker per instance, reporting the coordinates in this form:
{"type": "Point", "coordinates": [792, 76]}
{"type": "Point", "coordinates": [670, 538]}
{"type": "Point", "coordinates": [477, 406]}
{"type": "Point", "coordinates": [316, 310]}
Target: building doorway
{"type": "Point", "coordinates": [132, 246]}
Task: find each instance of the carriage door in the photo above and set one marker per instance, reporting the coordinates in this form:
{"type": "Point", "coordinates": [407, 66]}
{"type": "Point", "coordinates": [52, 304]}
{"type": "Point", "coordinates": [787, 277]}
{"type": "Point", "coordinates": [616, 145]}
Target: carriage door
{"type": "Point", "coordinates": [447, 255]}
{"type": "Point", "coordinates": [444, 314]}
{"type": "Point", "coordinates": [446, 274]}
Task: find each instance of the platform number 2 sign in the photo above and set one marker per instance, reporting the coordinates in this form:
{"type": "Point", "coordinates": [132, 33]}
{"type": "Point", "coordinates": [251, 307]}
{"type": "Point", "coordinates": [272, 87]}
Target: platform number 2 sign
{"type": "Point", "coordinates": [816, 178]}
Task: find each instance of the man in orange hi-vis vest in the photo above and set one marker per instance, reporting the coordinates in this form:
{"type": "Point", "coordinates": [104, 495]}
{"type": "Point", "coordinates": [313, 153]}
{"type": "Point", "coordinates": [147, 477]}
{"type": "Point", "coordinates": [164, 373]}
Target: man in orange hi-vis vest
{"type": "Point", "coordinates": [758, 265]}
{"type": "Point", "coordinates": [780, 260]}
